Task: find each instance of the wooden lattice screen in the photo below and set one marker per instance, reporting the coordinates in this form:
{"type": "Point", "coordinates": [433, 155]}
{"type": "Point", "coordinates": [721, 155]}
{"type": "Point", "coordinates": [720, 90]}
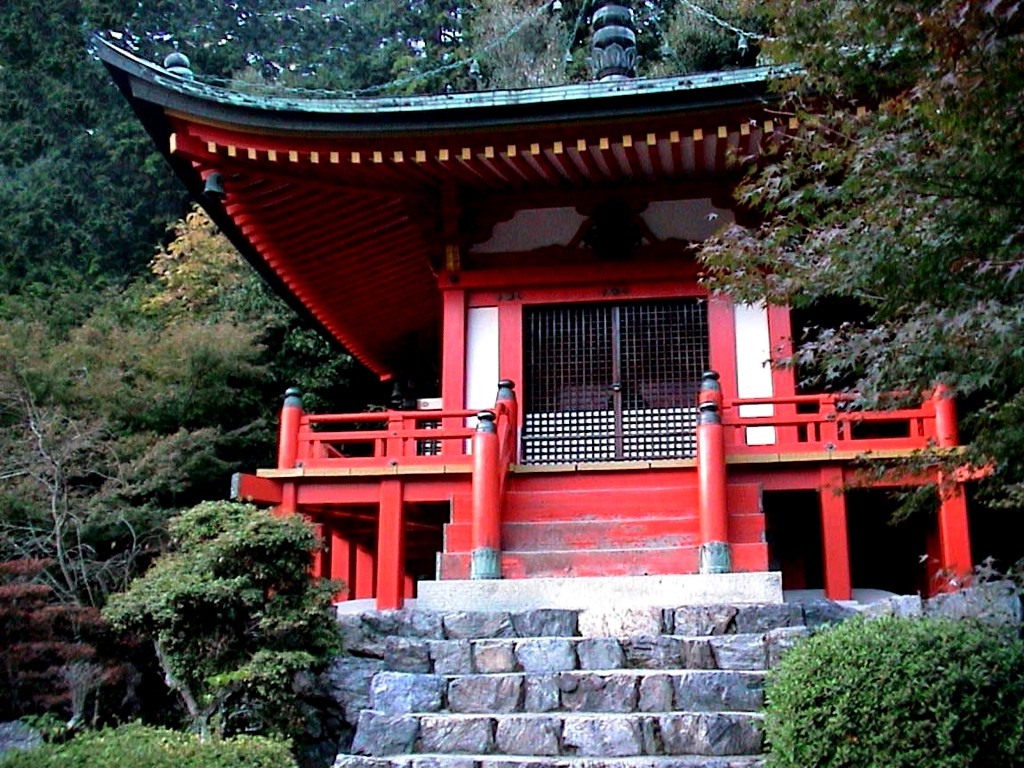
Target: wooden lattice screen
{"type": "Point", "coordinates": [612, 382]}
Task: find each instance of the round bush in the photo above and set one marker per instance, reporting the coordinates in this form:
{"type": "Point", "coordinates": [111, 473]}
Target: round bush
{"type": "Point", "coordinates": [898, 693]}
{"type": "Point", "coordinates": [141, 746]}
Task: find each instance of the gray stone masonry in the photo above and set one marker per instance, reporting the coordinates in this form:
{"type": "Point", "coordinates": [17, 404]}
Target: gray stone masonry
{"type": "Point", "coordinates": [542, 693]}
{"type": "Point", "coordinates": [529, 736]}
{"type": "Point", "coordinates": [478, 624]}
{"type": "Point", "coordinates": [530, 761]}
{"type": "Point", "coordinates": [739, 651]}
{"type": "Point", "coordinates": [348, 679]}
{"type": "Point", "coordinates": [403, 692]}
{"type": "Point", "coordinates": [380, 734]}
{"type": "Point", "coordinates": [451, 734]}
{"type": "Point", "coordinates": [493, 656]}
{"type": "Point", "coordinates": [451, 657]}
{"type": "Point", "coordinates": [650, 688]}
{"type": "Point", "coordinates": [486, 693]}
{"type": "Point", "coordinates": [590, 692]}
{"type": "Point", "coordinates": [406, 654]}
{"type": "Point", "coordinates": [545, 654]}
{"type": "Point", "coordinates": [600, 653]}
{"type": "Point", "coordinates": [545, 623]}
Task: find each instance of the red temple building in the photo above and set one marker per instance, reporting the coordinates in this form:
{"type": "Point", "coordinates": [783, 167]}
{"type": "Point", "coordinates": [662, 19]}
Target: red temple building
{"type": "Point", "coordinates": [573, 400]}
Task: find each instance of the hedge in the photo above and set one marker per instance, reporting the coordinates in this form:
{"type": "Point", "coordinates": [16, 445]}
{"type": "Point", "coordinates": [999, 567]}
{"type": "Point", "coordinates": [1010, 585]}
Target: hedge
{"type": "Point", "coordinates": [898, 693]}
{"type": "Point", "coordinates": [141, 746]}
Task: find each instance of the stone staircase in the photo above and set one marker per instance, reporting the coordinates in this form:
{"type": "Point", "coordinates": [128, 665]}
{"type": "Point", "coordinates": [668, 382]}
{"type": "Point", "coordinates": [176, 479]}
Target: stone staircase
{"type": "Point", "coordinates": [639, 688]}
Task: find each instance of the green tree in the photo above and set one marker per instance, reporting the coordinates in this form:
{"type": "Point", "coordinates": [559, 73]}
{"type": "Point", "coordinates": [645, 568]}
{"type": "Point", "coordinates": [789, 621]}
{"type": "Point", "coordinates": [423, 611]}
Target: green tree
{"type": "Point", "coordinates": [77, 188]}
{"type": "Point", "coordinates": [233, 616]}
{"type": "Point", "coordinates": [910, 211]}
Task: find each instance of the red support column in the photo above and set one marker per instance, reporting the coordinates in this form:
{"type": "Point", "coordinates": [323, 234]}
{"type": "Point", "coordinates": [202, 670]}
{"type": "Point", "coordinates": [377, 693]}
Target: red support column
{"type": "Point", "coordinates": [288, 447]}
{"type": "Point", "coordinates": [317, 569]}
{"type": "Point", "coordinates": [508, 432]}
{"type": "Point", "coordinates": [365, 574]}
{"type": "Point", "coordinates": [954, 529]}
{"type": "Point", "coordinates": [486, 555]}
{"type": "Point", "coordinates": [288, 439]}
{"type": "Point", "coordinates": [390, 547]}
{"type": "Point", "coordinates": [715, 555]}
{"type": "Point", "coordinates": [342, 564]}
{"type": "Point", "coordinates": [835, 535]}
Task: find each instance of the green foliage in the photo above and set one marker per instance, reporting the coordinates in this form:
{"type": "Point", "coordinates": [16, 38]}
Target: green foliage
{"type": "Point", "coordinates": [912, 211]}
{"type": "Point", "coordinates": [140, 746]}
{"type": "Point", "coordinates": [73, 201]}
{"type": "Point", "coordinates": [110, 425]}
{"type": "Point", "coordinates": [900, 693]}
{"type": "Point", "coordinates": [233, 616]}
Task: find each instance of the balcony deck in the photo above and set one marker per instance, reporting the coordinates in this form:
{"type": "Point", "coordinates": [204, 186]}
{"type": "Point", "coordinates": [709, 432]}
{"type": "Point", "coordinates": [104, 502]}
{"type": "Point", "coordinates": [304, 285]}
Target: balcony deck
{"type": "Point", "coordinates": [395, 489]}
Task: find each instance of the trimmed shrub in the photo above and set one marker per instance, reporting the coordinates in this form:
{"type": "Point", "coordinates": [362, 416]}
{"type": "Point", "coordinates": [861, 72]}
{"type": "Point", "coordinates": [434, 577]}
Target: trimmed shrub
{"type": "Point", "coordinates": [898, 693]}
{"type": "Point", "coordinates": [141, 746]}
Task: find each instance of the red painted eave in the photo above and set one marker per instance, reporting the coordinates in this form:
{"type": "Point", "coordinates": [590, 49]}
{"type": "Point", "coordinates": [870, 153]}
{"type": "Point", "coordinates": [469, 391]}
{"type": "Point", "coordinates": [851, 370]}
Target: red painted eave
{"type": "Point", "coordinates": [346, 223]}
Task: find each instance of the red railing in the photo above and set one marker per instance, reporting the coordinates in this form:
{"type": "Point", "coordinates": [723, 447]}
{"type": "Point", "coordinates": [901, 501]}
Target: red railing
{"type": "Point", "coordinates": [801, 424]}
{"type": "Point", "coordinates": [383, 438]}
{"type": "Point", "coordinates": [797, 424]}
{"type": "Point", "coordinates": [390, 438]}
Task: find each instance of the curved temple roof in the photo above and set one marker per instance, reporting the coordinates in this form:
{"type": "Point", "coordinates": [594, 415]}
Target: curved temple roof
{"type": "Point", "coordinates": [351, 207]}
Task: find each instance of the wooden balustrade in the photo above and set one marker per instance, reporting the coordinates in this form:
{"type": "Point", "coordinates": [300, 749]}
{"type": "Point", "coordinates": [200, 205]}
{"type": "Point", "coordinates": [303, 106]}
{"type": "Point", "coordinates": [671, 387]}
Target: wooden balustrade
{"type": "Point", "coordinates": [381, 438]}
{"type": "Point", "coordinates": [805, 424]}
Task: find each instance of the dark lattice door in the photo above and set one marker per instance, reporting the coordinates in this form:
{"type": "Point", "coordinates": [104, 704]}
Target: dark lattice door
{"type": "Point", "coordinates": [612, 382]}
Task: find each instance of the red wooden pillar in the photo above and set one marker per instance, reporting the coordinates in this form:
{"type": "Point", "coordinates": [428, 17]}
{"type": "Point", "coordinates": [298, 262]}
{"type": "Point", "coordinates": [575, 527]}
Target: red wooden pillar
{"type": "Point", "coordinates": [318, 569]}
{"type": "Point", "coordinates": [486, 554]}
{"type": "Point", "coordinates": [365, 573]}
{"type": "Point", "coordinates": [954, 529]}
{"type": "Point", "coordinates": [715, 555]}
{"type": "Point", "coordinates": [288, 447]}
{"type": "Point", "coordinates": [510, 426]}
{"type": "Point", "coordinates": [835, 535]}
{"type": "Point", "coordinates": [342, 563]}
{"type": "Point", "coordinates": [390, 547]}
{"type": "Point", "coordinates": [288, 439]}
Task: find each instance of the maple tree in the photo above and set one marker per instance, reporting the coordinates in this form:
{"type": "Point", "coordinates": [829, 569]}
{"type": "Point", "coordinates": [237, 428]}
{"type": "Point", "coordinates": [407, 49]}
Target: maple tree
{"type": "Point", "coordinates": [899, 201]}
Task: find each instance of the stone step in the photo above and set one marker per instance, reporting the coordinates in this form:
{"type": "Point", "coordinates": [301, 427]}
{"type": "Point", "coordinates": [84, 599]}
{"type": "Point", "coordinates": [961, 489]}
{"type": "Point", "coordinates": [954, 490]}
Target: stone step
{"type": "Point", "coordinates": [711, 734]}
{"type": "Point", "coordinates": [608, 562]}
{"type": "Point", "coordinates": [600, 594]}
{"type": "Point", "coordinates": [624, 532]}
{"type": "Point", "coordinates": [407, 639]}
{"type": "Point", "coordinates": [617, 691]}
{"type": "Point", "coordinates": [437, 760]}
{"type": "Point", "coordinates": [561, 563]}
{"type": "Point", "coordinates": [541, 655]}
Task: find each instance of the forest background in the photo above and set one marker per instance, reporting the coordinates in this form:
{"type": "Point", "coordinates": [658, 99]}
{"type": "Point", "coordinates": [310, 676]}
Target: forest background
{"type": "Point", "coordinates": [141, 363]}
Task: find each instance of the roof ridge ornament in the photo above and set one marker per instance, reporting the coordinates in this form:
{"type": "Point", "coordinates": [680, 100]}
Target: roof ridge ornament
{"type": "Point", "coordinates": [614, 55]}
{"type": "Point", "coordinates": [177, 63]}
